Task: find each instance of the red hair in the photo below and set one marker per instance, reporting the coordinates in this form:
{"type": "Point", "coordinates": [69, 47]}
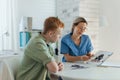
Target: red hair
{"type": "Point", "coordinates": [51, 24]}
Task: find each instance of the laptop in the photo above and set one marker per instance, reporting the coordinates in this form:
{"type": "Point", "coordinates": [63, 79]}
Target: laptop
{"type": "Point", "coordinates": [99, 58]}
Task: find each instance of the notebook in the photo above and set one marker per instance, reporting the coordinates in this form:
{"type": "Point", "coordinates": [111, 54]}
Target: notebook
{"type": "Point", "coordinates": [99, 57]}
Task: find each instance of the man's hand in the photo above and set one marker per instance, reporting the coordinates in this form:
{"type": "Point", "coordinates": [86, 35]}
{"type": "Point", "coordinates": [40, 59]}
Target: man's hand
{"type": "Point", "coordinates": [61, 66]}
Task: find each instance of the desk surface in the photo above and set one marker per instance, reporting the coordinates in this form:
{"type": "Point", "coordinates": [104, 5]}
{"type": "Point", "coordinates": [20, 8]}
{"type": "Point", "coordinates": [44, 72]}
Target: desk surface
{"type": "Point", "coordinates": [90, 73]}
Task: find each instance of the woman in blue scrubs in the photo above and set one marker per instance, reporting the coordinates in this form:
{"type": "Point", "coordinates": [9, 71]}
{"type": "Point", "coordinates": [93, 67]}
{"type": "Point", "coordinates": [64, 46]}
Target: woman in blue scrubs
{"type": "Point", "coordinates": [77, 46]}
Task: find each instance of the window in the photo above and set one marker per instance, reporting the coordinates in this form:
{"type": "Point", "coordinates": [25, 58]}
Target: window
{"type": "Point", "coordinates": [7, 25]}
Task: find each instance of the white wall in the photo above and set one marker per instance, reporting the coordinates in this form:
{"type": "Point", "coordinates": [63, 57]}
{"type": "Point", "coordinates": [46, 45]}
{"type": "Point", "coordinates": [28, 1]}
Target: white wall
{"type": "Point", "coordinates": [38, 9]}
{"type": "Point", "coordinates": [109, 38]}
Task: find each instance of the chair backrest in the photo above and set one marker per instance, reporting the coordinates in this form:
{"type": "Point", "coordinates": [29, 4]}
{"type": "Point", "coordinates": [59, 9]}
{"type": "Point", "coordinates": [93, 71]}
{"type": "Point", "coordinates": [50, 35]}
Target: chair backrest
{"type": "Point", "coordinates": [10, 67]}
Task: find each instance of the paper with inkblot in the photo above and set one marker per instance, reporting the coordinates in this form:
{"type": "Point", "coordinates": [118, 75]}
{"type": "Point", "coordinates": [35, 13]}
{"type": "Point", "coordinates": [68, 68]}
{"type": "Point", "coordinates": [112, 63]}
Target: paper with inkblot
{"type": "Point", "coordinates": [98, 58]}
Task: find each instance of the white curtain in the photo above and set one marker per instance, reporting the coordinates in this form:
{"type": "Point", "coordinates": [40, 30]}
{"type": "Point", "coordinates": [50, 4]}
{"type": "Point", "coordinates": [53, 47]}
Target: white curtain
{"type": "Point", "coordinates": [7, 24]}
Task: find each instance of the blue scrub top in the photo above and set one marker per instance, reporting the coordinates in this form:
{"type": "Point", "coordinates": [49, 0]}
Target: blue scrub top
{"type": "Point", "coordinates": [69, 47]}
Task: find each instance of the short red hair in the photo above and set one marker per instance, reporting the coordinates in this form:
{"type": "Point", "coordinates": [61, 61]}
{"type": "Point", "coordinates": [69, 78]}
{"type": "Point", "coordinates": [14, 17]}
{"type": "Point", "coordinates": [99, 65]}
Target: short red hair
{"type": "Point", "coordinates": [52, 24]}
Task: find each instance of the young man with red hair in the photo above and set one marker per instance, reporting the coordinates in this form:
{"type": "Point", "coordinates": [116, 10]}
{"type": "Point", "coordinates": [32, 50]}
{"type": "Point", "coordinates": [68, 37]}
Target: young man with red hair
{"type": "Point", "coordinates": [38, 58]}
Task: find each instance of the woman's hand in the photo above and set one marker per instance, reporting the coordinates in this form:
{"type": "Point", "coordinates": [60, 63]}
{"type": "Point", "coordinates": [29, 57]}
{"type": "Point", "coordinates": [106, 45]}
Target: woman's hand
{"type": "Point", "coordinates": [85, 58]}
{"type": "Point", "coordinates": [90, 55]}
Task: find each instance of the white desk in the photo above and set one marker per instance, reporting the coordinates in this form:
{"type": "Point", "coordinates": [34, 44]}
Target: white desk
{"type": "Point", "coordinates": [92, 73]}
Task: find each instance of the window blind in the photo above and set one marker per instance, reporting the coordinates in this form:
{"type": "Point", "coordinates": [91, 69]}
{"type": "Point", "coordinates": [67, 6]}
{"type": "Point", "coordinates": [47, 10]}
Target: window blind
{"type": "Point", "coordinates": [90, 10]}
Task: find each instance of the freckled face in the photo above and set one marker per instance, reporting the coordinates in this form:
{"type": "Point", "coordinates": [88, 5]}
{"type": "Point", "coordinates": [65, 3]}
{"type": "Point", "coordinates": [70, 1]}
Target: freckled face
{"type": "Point", "coordinates": [56, 35]}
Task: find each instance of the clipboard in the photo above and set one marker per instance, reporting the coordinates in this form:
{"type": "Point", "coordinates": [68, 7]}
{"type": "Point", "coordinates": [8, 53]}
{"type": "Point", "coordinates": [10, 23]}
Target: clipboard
{"type": "Point", "coordinates": [99, 58]}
